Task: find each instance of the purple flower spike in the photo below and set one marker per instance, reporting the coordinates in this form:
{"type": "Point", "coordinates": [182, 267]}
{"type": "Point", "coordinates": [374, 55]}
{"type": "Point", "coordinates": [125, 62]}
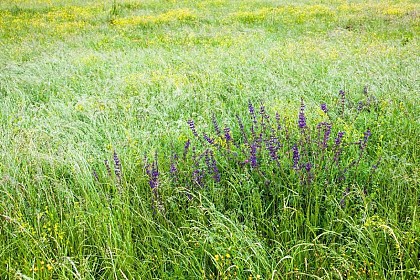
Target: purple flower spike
{"type": "Point", "coordinates": [208, 139]}
{"type": "Point", "coordinates": [366, 136]}
{"type": "Point", "coordinates": [308, 167]}
{"type": "Point", "coordinates": [242, 128]}
{"type": "Point", "coordinates": [215, 124]}
{"type": "Point", "coordinates": [326, 127]}
{"type": "Point", "coordinates": [296, 157]}
{"type": "Point", "coordinates": [153, 173]}
{"type": "Point", "coordinates": [278, 121]}
{"type": "Point", "coordinates": [216, 172]}
{"type": "Point", "coordinates": [272, 147]}
{"type": "Point", "coordinates": [339, 138]}
{"type": "Point", "coordinates": [117, 166]}
{"type": "Point", "coordinates": [186, 148]}
{"type": "Point", "coordinates": [252, 112]}
{"type": "Point", "coordinates": [227, 134]}
{"type": "Point", "coordinates": [302, 118]}
{"type": "Point", "coordinates": [173, 169]}
{"type": "Point", "coordinates": [108, 168]}
{"type": "Point", "coordinates": [251, 108]}
{"type": "Point", "coordinates": [192, 127]}
{"type": "Point", "coordinates": [253, 157]}
{"type": "Point", "coordinates": [324, 108]}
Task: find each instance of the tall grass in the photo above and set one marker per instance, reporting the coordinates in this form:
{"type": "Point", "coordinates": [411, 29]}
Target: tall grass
{"type": "Point", "coordinates": [284, 176]}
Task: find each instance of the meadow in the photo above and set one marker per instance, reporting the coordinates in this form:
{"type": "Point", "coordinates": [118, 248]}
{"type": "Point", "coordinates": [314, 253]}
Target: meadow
{"type": "Point", "coordinates": [212, 139]}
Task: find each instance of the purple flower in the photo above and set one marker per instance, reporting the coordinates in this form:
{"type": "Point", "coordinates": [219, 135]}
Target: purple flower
{"type": "Point", "coordinates": [215, 170]}
{"type": "Point", "coordinates": [308, 167]}
{"type": "Point", "coordinates": [253, 157]}
{"type": "Point", "coordinates": [252, 112]}
{"type": "Point", "coordinates": [338, 141]}
{"type": "Point", "coordinates": [339, 138]}
{"type": "Point", "coordinates": [117, 166]}
{"type": "Point", "coordinates": [215, 124]}
{"type": "Point", "coordinates": [242, 129]}
{"type": "Point", "coordinates": [153, 173]}
{"type": "Point", "coordinates": [324, 108]}
{"type": "Point", "coordinates": [278, 121]}
{"type": "Point", "coordinates": [327, 132]}
{"type": "Point", "coordinates": [227, 134]}
{"type": "Point", "coordinates": [198, 176]}
{"type": "Point", "coordinates": [186, 148]}
{"type": "Point", "coordinates": [366, 136]}
{"type": "Point", "coordinates": [173, 169]}
{"type": "Point", "coordinates": [302, 118]}
{"type": "Point", "coordinates": [272, 147]}
{"type": "Point", "coordinates": [360, 106]}
{"type": "Point", "coordinates": [296, 157]}
{"type": "Point", "coordinates": [251, 108]}
{"type": "Point", "coordinates": [108, 168]}
{"type": "Point", "coordinates": [263, 112]}
{"type": "Point", "coordinates": [192, 127]}
{"type": "Point", "coordinates": [208, 139]}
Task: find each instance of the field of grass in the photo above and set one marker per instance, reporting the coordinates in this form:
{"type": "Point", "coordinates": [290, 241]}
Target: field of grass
{"type": "Point", "coordinates": [165, 139]}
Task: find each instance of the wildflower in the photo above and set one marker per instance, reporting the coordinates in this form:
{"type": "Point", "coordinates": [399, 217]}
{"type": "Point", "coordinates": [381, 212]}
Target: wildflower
{"type": "Point", "coordinates": [227, 134]}
{"type": "Point", "coordinates": [153, 173]}
{"type": "Point", "coordinates": [215, 170]}
{"type": "Point", "coordinates": [186, 148]}
{"type": "Point", "coordinates": [192, 127]}
{"type": "Point", "coordinates": [173, 170]}
{"type": "Point", "coordinates": [296, 156]}
{"type": "Point", "coordinates": [252, 111]}
{"type": "Point", "coordinates": [272, 147]}
{"type": "Point", "coordinates": [253, 157]}
{"type": "Point", "coordinates": [360, 106]}
{"type": "Point", "coordinates": [338, 141]}
{"type": "Point", "coordinates": [208, 139]}
{"type": "Point", "coordinates": [324, 108]}
{"type": "Point", "coordinates": [339, 138]}
{"type": "Point", "coordinates": [278, 121]}
{"type": "Point", "coordinates": [327, 132]}
{"type": "Point", "coordinates": [366, 136]}
{"type": "Point", "coordinates": [308, 167]}
{"type": "Point", "coordinates": [242, 129]}
{"type": "Point", "coordinates": [302, 118]}
{"type": "Point", "coordinates": [254, 119]}
{"type": "Point", "coordinates": [108, 168]}
{"type": "Point", "coordinates": [117, 166]}
{"type": "Point", "coordinates": [198, 176]}
{"type": "Point", "coordinates": [215, 124]}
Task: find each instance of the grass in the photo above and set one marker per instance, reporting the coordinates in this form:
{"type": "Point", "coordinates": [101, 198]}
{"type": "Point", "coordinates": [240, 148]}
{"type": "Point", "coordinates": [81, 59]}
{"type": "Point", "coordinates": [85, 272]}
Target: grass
{"type": "Point", "coordinates": [82, 79]}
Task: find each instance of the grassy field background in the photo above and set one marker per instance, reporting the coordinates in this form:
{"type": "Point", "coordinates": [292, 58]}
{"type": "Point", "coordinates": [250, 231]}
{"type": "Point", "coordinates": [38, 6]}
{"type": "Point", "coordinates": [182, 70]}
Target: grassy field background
{"type": "Point", "coordinates": [82, 79]}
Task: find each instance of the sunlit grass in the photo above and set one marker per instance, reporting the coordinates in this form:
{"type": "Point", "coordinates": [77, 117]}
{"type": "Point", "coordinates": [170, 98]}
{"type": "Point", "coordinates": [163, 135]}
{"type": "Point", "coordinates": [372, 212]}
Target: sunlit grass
{"type": "Point", "coordinates": [82, 79]}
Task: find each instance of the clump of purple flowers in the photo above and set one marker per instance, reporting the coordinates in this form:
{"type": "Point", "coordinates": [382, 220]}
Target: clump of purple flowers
{"type": "Point", "coordinates": [270, 151]}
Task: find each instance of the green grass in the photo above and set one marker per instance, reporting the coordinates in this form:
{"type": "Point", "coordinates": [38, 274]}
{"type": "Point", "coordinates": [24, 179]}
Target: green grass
{"type": "Point", "coordinates": [80, 79]}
